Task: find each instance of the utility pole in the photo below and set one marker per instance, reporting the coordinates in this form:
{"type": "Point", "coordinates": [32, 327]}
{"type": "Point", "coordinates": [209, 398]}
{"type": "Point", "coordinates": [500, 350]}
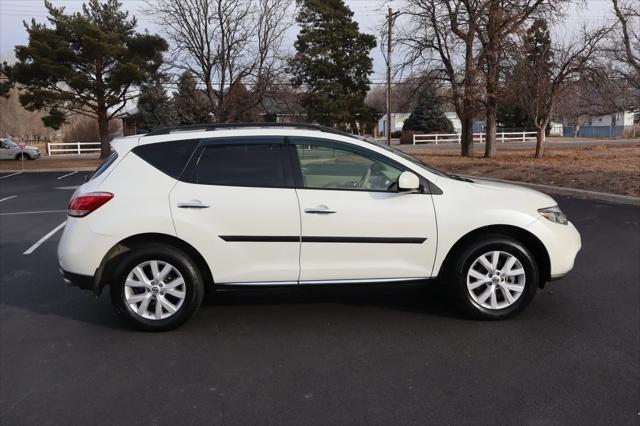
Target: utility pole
{"type": "Point", "coordinates": [387, 128]}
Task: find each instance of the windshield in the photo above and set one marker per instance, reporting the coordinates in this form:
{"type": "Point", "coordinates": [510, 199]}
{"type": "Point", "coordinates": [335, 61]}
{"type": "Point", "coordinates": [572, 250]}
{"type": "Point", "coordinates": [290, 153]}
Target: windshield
{"type": "Point", "coordinates": [10, 143]}
{"type": "Point", "coordinates": [404, 155]}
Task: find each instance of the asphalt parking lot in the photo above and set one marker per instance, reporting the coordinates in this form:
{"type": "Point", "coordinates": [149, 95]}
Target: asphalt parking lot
{"type": "Point", "coordinates": [380, 355]}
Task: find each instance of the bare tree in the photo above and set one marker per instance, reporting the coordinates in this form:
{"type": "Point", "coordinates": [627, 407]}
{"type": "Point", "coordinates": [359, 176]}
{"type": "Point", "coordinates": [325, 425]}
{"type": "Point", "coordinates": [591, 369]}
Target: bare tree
{"type": "Point", "coordinates": [440, 35]}
{"type": "Point", "coordinates": [500, 20]}
{"type": "Point", "coordinates": [543, 74]}
{"type": "Point", "coordinates": [625, 47]}
{"type": "Point", "coordinates": [404, 95]}
{"type": "Point", "coordinates": [228, 45]}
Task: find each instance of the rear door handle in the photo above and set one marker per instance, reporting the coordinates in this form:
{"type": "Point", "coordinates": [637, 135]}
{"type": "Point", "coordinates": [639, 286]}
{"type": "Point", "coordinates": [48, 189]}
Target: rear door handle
{"type": "Point", "coordinates": [322, 209]}
{"type": "Point", "coordinates": [193, 204]}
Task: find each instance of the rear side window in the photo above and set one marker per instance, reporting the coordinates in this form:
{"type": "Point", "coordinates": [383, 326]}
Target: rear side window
{"type": "Point", "coordinates": [168, 157]}
{"type": "Point", "coordinates": [105, 165]}
{"type": "Point", "coordinates": [240, 164]}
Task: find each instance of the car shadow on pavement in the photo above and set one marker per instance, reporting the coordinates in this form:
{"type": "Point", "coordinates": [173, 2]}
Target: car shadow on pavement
{"type": "Point", "coordinates": [33, 284]}
{"type": "Point", "coordinates": [423, 297]}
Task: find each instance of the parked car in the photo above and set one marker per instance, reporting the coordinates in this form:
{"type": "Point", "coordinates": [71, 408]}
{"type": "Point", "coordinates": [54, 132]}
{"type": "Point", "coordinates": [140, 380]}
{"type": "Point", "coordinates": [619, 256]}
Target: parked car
{"type": "Point", "coordinates": [9, 150]}
{"type": "Point", "coordinates": [175, 213]}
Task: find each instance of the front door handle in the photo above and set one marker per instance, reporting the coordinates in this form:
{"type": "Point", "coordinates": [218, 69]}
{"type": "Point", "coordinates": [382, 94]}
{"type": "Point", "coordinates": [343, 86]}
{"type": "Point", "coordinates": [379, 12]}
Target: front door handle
{"type": "Point", "coordinates": [322, 209]}
{"type": "Point", "coordinates": [193, 204]}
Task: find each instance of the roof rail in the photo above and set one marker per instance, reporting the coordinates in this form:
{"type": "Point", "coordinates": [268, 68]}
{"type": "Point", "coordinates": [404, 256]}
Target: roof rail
{"type": "Point", "coordinates": [226, 126]}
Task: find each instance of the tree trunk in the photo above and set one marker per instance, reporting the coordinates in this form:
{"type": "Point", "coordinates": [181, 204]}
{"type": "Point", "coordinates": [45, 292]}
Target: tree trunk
{"type": "Point", "coordinates": [490, 142]}
{"type": "Point", "coordinates": [103, 128]}
{"type": "Point", "coordinates": [540, 137]}
{"type": "Point", "coordinates": [491, 48]}
{"type": "Point", "coordinates": [466, 139]}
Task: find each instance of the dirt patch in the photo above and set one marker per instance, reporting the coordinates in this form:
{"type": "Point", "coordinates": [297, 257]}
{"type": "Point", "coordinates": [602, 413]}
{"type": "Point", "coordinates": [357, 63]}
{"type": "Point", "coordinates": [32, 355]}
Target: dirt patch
{"type": "Point", "coordinates": [602, 168]}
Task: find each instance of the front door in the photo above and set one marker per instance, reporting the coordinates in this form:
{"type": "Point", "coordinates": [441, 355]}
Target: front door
{"type": "Point", "coordinates": [5, 151]}
{"type": "Point", "coordinates": [236, 204]}
{"type": "Point", "coordinates": [355, 224]}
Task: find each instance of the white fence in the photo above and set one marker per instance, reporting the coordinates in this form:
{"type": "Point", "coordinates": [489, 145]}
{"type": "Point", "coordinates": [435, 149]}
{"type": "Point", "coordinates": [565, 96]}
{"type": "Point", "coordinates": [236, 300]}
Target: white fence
{"type": "Point", "coordinates": [73, 148]}
{"type": "Point", "coordinates": [477, 137]}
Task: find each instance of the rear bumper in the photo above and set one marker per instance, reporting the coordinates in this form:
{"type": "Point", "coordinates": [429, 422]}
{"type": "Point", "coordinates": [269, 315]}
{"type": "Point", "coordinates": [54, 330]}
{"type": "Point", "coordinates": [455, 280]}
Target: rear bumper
{"type": "Point", "coordinates": [84, 282]}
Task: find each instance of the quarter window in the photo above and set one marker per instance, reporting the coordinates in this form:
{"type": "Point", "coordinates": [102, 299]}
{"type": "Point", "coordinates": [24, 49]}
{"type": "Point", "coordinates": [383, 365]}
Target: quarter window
{"type": "Point", "coordinates": [240, 165]}
{"type": "Point", "coordinates": [328, 167]}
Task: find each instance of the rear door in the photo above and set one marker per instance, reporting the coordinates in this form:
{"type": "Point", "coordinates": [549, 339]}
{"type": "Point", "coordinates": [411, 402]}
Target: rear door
{"type": "Point", "coordinates": [355, 224]}
{"type": "Point", "coordinates": [236, 204]}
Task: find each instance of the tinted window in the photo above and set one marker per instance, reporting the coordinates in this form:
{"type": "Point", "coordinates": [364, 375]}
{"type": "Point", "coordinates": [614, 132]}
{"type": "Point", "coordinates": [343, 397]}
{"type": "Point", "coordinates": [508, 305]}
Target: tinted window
{"type": "Point", "coordinates": [168, 157]}
{"type": "Point", "coordinates": [105, 165]}
{"type": "Point", "coordinates": [327, 167]}
{"type": "Point", "coordinates": [239, 165]}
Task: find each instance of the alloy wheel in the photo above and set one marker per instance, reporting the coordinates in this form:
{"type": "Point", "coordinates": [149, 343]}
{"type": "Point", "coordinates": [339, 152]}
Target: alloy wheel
{"type": "Point", "coordinates": [154, 290]}
{"type": "Point", "coordinates": [496, 280]}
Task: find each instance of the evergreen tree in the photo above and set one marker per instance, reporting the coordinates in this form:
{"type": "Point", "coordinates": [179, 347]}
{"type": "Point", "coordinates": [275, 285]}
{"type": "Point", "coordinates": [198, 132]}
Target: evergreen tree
{"type": "Point", "coordinates": [190, 103]}
{"type": "Point", "coordinates": [512, 115]}
{"type": "Point", "coordinates": [333, 64]}
{"type": "Point", "coordinates": [428, 115]}
{"type": "Point", "coordinates": [155, 109]}
{"type": "Point", "coordinates": [87, 63]}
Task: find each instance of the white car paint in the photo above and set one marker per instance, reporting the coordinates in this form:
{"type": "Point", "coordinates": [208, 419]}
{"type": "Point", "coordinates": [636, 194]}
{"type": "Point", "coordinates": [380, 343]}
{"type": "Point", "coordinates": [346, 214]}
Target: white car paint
{"type": "Point", "coordinates": [10, 150]}
{"type": "Point", "coordinates": [146, 201]}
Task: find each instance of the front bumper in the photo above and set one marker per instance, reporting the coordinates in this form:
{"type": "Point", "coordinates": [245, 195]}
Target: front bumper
{"type": "Point", "coordinates": [562, 242]}
{"type": "Point", "coordinates": [84, 282]}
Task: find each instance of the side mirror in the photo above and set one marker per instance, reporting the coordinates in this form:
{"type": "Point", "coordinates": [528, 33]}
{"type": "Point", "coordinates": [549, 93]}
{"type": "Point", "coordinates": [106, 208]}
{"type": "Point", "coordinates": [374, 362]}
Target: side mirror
{"type": "Point", "coordinates": [408, 181]}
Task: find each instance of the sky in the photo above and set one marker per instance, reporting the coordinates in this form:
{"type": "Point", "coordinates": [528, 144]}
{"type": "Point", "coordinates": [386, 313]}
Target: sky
{"type": "Point", "coordinates": [370, 15]}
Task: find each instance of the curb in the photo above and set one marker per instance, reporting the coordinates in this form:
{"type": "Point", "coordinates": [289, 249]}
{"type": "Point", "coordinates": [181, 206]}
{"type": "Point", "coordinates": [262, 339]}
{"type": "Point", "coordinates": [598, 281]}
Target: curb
{"type": "Point", "coordinates": [579, 193]}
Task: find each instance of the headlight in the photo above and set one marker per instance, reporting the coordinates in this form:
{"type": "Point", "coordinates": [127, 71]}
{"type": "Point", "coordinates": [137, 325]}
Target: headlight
{"type": "Point", "coordinates": [554, 214]}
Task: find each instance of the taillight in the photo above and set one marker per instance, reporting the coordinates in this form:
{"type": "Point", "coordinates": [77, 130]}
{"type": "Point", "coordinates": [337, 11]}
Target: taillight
{"type": "Point", "coordinates": [83, 205]}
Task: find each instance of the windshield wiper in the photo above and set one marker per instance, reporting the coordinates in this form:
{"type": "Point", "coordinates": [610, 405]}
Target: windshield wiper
{"type": "Point", "coordinates": [458, 177]}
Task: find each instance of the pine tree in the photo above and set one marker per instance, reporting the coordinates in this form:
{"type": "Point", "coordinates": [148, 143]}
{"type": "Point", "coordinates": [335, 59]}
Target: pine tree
{"type": "Point", "coordinates": [88, 63]}
{"type": "Point", "coordinates": [190, 103]}
{"type": "Point", "coordinates": [333, 64]}
{"type": "Point", "coordinates": [155, 109]}
{"type": "Point", "coordinates": [428, 115]}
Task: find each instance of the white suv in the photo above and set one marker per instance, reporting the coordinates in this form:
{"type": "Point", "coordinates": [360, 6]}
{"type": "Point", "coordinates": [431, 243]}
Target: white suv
{"type": "Point", "coordinates": [178, 212]}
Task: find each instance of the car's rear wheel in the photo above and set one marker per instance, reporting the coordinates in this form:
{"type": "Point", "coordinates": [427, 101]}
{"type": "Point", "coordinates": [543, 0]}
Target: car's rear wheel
{"type": "Point", "coordinates": [156, 288]}
{"type": "Point", "coordinates": [493, 277]}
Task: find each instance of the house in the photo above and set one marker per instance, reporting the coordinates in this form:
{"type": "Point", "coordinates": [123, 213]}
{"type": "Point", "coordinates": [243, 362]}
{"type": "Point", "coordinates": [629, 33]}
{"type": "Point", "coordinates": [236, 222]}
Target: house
{"type": "Point", "coordinates": [397, 121]}
{"type": "Point", "coordinates": [613, 124]}
{"type": "Point", "coordinates": [455, 121]}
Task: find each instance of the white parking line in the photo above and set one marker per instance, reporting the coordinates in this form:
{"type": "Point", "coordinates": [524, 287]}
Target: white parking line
{"type": "Point", "coordinates": [45, 238]}
{"type": "Point", "coordinates": [69, 174]}
{"type": "Point", "coordinates": [12, 174]}
{"type": "Point", "coordinates": [8, 198]}
{"type": "Point", "coordinates": [36, 212]}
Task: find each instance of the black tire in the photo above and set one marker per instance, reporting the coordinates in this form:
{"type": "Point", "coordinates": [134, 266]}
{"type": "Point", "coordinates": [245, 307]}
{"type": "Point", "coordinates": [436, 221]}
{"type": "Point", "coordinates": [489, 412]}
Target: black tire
{"type": "Point", "coordinates": [194, 286]}
{"type": "Point", "coordinates": [457, 271]}
{"type": "Point", "coordinates": [21, 155]}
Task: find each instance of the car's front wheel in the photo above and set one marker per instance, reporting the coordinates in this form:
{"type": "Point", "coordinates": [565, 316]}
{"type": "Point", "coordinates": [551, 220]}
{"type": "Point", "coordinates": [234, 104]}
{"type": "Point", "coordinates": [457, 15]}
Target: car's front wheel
{"type": "Point", "coordinates": [156, 288]}
{"type": "Point", "coordinates": [493, 277]}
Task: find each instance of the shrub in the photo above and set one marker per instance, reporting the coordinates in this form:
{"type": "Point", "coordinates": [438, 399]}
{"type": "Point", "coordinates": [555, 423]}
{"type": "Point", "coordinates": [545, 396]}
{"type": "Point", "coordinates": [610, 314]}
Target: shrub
{"type": "Point", "coordinates": [407, 137]}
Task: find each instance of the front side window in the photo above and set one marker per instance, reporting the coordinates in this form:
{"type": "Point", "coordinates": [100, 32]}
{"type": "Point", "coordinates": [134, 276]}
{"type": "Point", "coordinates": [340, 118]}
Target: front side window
{"type": "Point", "coordinates": [324, 166]}
{"type": "Point", "coordinates": [253, 165]}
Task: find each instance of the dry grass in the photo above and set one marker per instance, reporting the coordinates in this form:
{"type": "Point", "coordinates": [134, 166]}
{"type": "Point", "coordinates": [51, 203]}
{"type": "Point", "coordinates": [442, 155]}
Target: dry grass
{"type": "Point", "coordinates": [62, 164]}
{"type": "Point", "coordinates": [602, 168]}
